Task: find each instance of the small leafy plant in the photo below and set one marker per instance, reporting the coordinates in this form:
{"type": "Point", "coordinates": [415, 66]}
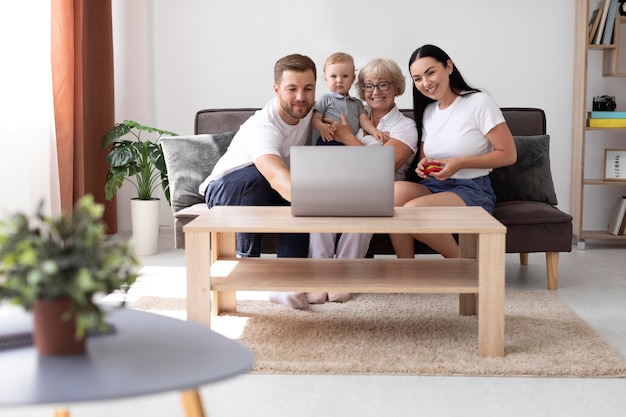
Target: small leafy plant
{"type": "Point", "coordinates": [66, 257]}
{"type": "Point", "coordinates": [141, 159]}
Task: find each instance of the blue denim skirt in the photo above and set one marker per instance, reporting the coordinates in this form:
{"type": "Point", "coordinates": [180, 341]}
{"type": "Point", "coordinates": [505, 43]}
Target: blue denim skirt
{"type": "Point", "coordinates": [474, 192]}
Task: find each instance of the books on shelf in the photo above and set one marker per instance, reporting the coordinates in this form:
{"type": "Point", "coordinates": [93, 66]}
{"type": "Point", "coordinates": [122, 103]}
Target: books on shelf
{"type": "Point", "coordinates": [607, 122]}
{"type": "Point", "coordinates": [604, 5]}
{"type": "Point", "coordinates": [607, 36]}
{"type": "Point", "coordinates": [594, 22]}
{"type": "Point", "coordinates": [607, 114]}
{"type": "Point", "coordinates": [617, 225]}
{"type": "Point", "coordinates": [606, 118]}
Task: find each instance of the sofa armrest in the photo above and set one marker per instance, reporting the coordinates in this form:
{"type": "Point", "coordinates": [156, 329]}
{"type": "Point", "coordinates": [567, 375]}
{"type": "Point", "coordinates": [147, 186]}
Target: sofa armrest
{"type": "Point", "coordinates": [184, 216]}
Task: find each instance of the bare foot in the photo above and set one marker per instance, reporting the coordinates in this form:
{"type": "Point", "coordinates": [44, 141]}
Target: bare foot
{"type": "Point", "coordinates": [316, 297]}
{"type": "Point", "coordinates": [338, 297]}
{"type": "Point", "coordinates": [290, 299]}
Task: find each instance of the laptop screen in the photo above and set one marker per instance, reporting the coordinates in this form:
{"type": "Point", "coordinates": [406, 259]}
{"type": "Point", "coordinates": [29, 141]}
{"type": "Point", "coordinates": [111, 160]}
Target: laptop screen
{"type": "Point", "coordinates": [342, 180]}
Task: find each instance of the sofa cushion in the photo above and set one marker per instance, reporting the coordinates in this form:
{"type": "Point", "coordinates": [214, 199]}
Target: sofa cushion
{"type": "Point", "coordinates": [530, 177]}
{"type": "Point", "coordinates": [532, 226]}
{"type": "Point", "coordinates": [511, 213]}
{"type": "Point", "coordinates": [190, 159]}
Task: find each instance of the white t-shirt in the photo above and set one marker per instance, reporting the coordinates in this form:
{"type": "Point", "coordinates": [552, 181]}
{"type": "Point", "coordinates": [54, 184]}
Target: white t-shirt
{"type": "Point", "coordinates": [264, 133]}
{"type": "Point", "coordinates": [400, 128]}
{"type": "Point", "coordinates": [460, 130]}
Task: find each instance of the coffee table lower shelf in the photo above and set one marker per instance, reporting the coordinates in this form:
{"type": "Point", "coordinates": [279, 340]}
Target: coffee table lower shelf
{"type": "Point", "coordinates": [458, 276]}
{"type": "Point", "coordinates": [349, 275]}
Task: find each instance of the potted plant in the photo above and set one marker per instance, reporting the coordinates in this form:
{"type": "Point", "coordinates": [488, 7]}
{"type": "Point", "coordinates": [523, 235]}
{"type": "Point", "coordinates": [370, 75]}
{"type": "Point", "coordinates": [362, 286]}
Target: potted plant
{"type": "Point", "coordinates": [60, 265]}
{"type": "Point", "coordinates": [140, 162]}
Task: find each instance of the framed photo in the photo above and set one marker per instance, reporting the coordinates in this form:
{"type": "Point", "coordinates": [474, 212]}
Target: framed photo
{"type": "Point", "coordinates": [615, 164]}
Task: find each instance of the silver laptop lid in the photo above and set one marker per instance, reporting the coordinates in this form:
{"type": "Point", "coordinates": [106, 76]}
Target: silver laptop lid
{"type": "Point", "coordinates": [342, 180]}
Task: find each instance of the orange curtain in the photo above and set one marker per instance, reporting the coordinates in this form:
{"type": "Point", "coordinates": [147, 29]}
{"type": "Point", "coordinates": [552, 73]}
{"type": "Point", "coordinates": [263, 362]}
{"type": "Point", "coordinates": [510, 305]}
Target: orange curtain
{"type": "Point", "coordinates": [82, 78]}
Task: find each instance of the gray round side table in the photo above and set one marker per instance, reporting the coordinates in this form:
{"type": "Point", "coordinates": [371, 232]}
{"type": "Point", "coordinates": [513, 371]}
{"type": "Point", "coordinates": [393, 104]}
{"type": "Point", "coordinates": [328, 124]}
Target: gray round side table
{"type": "Point", "coordinates": [147, 354]}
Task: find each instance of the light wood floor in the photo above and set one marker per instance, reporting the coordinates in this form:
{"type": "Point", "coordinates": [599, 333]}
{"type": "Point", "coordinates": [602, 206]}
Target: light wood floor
{"type": "Point", "coordinates": [592, 282]}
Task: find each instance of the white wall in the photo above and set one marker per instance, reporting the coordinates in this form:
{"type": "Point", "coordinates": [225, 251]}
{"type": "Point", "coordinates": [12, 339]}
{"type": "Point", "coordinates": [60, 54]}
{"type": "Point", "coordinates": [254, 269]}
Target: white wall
{"type": "Point", "coordinates": [174, 58]}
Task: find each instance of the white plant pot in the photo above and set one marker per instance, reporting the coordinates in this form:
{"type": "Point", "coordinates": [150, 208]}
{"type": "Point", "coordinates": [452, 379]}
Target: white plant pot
{"type": "Point", "coordinates": [145, 225]}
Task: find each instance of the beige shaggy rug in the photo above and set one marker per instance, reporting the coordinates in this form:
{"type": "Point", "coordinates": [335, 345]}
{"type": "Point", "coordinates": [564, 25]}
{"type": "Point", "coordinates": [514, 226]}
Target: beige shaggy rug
{"type": "Point", "coordinates": [415, 334]}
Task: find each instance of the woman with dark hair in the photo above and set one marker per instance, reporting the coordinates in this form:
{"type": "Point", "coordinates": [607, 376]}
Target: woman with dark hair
{"type": "Point", "coordinates": [462, 137]}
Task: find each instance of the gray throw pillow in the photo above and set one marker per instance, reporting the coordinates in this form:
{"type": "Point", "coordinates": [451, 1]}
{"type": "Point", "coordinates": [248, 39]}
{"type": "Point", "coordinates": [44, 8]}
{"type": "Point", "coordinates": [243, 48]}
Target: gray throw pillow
{"type": "Point", "coordinates": [530, 178]}
{"type": "Point", "coordinates": [189, 160]}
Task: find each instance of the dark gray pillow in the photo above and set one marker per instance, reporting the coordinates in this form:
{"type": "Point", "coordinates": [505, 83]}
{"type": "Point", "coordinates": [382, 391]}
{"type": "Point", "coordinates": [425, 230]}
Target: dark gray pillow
{"type": "Point", "coordinates": [189, 160]}
{"type": "Point", "coordinates": [530, 177]}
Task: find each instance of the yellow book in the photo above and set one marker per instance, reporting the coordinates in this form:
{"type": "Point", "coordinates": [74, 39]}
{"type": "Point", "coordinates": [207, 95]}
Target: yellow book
{"type": "Point", "coordinates": [607, 122]}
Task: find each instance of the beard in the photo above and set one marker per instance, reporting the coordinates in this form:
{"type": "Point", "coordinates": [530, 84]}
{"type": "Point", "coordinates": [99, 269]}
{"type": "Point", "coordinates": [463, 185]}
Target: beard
{"type": "Point", "coordinates": [296, 112]}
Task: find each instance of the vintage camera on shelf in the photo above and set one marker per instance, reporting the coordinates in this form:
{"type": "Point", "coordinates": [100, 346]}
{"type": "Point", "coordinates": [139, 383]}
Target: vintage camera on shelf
{"type": "Point", "coordinates": [604, 103]}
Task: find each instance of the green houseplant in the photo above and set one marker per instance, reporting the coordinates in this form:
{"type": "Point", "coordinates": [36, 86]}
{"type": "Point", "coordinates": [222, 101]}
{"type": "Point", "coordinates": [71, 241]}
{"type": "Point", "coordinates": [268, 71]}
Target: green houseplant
{"type": "Point", "coordinates": [69, 259]}
{"type": "Point", "coordinates": [142, 163]}
{"type": "Point", "coordinates": [134, 157]}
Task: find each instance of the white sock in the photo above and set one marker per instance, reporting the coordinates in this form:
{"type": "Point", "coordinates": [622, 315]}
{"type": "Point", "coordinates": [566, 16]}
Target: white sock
{"type": "Point", "coordinates": [290, 299]}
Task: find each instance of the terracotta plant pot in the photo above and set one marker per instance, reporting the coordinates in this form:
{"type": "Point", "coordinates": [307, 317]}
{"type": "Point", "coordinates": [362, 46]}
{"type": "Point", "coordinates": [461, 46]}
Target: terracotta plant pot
{"type": "Point", "coordinates": [51, 333]}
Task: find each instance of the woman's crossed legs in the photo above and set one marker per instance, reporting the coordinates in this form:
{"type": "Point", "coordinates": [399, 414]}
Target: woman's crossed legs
{"type": "Point", "coordinates": [411, 194]}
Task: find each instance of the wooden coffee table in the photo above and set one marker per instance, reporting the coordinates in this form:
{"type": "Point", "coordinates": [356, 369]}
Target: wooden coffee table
{"type": "Point", "coordinates": [212, 264]}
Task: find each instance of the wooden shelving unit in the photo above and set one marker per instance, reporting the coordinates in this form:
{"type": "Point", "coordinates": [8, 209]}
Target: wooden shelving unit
{"type": "Point", "coordinates": [610, 66]}
{"type": "Point", "coordinates": [580, 106]}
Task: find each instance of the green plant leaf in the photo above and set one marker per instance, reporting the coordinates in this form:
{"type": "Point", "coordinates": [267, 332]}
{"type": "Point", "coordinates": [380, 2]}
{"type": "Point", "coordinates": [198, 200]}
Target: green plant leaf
{"type": "Point", "coordinates": [135, 125]}
{"type": "Point", "coordinates": [67, 256]}
{"type": "Point", "coordinates": [113, 135]}
{"type": "Point", "coordinates": [143, 160]}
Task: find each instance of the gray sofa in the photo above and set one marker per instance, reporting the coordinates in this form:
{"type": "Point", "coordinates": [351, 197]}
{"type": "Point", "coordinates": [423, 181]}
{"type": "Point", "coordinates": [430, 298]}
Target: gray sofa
{"type": "Point", "coordinates": [526, 200]}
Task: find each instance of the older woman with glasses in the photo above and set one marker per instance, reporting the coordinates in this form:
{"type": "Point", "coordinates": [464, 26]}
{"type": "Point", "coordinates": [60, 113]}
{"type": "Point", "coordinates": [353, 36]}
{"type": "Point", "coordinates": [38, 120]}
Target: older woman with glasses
{"type": "Point", "coordinates": [379, 82]}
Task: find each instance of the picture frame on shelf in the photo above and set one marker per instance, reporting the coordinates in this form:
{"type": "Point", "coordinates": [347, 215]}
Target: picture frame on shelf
{"type": "Point", "coordinates": [615, 164]}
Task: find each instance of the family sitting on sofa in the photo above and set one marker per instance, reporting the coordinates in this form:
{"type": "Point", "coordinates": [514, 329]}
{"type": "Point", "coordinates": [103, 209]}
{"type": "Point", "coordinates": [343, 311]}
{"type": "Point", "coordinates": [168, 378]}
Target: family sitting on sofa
{"type": "Point", "coordinates": [458, 128]}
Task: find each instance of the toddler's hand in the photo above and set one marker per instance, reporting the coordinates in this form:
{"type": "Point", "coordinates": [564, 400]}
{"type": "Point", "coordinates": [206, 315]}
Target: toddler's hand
{"type": "Point", "coordinates": [327, 133]}
{"type": "Point", "coordinates": [382, 137]}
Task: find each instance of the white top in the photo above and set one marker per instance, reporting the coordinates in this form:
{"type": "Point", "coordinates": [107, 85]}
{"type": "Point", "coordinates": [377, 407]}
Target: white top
{"type": "Point", "coordinates": [460, 130]}
{"type": "Point", "coordinates": [400, 128]}
{"type": "Point", "coordinates": [264, 133]}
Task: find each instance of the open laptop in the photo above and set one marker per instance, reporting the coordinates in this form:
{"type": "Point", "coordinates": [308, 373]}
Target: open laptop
{"type": "Point", "coordinates": [342, 180]}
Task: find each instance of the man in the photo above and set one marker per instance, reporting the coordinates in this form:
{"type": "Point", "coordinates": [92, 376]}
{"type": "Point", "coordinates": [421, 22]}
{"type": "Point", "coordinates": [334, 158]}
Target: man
{"type": "Point", "coordinates": [254, 171]}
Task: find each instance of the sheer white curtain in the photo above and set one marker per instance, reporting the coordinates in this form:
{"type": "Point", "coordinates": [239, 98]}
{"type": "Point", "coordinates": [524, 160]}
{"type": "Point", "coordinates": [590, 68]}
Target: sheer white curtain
{"type": "Point", "coordinates": [28, 157]}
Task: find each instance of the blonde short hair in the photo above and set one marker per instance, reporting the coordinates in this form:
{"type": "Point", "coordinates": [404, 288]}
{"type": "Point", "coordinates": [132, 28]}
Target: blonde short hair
{"type": "Point", "coordinates": [339, 58]}
{"type": "Point", "coordinates": [383, 68]}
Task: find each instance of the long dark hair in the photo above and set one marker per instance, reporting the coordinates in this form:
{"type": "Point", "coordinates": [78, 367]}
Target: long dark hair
{"type": "Point", "coordinates": [457, 84]}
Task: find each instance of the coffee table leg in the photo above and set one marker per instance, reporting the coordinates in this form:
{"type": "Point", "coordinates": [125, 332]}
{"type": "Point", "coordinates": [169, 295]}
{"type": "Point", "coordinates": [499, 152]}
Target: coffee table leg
{"type": "Point", "coordinates": [468, 304]}
{"type": "Point", "coordinates": [192, 403]}
{"type": "Point", "coordinates": [467, 249]}
{"type": "Point", "coordinates": [224, 247]}
{"type": "Point", "coordinates": [224, 302]}
{"type": "Point", "coordinates": [491, 294]}
{"type": "Point", "coordinates": [198, 261]}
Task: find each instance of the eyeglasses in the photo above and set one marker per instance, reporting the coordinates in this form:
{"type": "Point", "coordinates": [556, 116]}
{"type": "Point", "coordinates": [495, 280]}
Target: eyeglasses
{"type": "Point", "coordinates": [382, 86]}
